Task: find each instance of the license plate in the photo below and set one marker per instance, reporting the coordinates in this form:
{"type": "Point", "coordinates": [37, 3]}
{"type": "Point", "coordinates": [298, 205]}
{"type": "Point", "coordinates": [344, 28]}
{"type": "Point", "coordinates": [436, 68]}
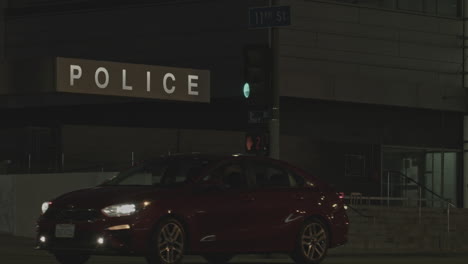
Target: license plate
{"type": "Point", "coordinates": [65, 231]}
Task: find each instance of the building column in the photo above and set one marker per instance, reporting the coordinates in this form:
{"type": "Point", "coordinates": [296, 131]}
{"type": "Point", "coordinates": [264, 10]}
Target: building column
{"type": "Point", "coordinates": [3, 5]}
{"type": "Point", "coordinates": [465, 121]}
{"type": "Point", "coordinates": [465, 162]}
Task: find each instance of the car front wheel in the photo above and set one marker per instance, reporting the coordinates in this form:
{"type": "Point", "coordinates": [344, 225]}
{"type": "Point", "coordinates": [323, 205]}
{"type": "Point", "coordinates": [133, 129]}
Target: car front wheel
{"type": "Point", "coordinates": [168, 243]}
{"type": "Point", "coordinates": [312, 243]}
{"type": "Point", "coordinates": [64, 258]}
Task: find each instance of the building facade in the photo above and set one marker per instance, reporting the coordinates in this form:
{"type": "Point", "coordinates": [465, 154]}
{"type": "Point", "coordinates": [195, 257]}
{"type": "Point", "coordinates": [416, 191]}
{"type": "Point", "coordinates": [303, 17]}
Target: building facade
{"type": "Point", "coordinates": [366, 87]}
{"type": "Point", "coordinates": [384, 88]}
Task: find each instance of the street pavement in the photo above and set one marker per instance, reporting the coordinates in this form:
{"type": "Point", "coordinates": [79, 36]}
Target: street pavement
{"type": "Point", "coordinates": [15, 250]}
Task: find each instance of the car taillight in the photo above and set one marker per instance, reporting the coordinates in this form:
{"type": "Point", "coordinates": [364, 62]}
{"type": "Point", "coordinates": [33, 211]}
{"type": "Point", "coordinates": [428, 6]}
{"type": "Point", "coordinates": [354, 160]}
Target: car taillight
{"type": "Point", "coordinates": [341, 195]}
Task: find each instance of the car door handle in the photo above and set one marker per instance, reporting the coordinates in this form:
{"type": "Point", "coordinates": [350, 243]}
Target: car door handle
{"type": "Point", "coordinates": [298, 196]}
{"type": "Point", "coordinates": [247, 198]}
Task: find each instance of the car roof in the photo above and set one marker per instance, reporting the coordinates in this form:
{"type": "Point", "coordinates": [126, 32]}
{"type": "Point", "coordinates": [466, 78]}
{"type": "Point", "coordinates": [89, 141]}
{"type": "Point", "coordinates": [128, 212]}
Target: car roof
{"type": "Point", "coordinates": [222, 156]}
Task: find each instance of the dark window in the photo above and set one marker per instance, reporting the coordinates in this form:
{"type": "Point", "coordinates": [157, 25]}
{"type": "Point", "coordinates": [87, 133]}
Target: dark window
{"type": "Point", "coordinates": [355, 165]}
{"type": "Point", "coordinates": [268, 175]}
{"type": "Point", "coordinates": [231, 175]}
{"type": "Point", "coordinates": [162, 172]}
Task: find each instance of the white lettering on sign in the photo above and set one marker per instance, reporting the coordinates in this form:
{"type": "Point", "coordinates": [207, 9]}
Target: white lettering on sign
{"type": "Point", "coordinates": [148, 81]}
{"type": "Point", "coordinates": [167, 76]}
{"type": "Point", "coordinates": [124, 81]}
{"type": "Point", "coordinates": [192, 84]}
{"type": "Point", "coordinates": [106, 77]}
{"type": "Point", "coordinates": [132, 80]}
{"type": "Point", "coordinates": [75, 73]}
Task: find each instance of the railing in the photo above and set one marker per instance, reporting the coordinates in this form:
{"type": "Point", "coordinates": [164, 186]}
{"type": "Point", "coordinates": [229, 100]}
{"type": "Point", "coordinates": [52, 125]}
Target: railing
{"type": "Point", "coordinates": [420, 187]}
{"type": "Point", "coordinates": [361, 213]}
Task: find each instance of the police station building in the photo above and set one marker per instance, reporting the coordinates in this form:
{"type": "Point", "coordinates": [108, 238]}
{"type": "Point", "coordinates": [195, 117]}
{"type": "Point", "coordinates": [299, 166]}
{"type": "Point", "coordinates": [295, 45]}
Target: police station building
{"type": "Point", "coordinates": [367, 89]}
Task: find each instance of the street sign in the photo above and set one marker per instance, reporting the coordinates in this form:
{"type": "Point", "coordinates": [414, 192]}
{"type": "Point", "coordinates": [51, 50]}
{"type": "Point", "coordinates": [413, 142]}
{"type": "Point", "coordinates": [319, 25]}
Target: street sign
{"type": "Point", "coordinates": [275, 16]}
{"type": "Point", "coordinates": [258, 117]}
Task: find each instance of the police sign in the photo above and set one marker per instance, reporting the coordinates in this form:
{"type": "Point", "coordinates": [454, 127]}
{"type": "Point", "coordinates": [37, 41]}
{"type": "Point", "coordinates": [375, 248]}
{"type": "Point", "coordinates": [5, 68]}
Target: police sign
{"type": "Point", "coordinates": [132, 80]}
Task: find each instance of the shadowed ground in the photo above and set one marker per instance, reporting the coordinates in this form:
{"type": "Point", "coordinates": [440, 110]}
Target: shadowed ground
{"type": "Point", "coordinates": [15, 250]}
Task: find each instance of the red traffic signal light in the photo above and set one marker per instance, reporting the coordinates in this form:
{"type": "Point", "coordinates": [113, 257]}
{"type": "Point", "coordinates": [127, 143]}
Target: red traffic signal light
{"type": "Point", "coordinates": [256, 143]}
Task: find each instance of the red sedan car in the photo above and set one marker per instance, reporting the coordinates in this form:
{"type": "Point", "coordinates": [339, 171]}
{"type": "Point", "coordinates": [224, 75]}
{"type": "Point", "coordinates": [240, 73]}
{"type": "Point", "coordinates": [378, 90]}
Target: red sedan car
{"type": "Point", "coordinates": [214, 206]}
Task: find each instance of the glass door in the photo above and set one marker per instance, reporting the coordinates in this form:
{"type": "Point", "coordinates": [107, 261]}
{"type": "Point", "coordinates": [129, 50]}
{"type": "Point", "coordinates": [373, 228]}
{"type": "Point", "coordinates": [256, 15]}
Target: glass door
{"type": "Point", "coordinates": [436, 170]}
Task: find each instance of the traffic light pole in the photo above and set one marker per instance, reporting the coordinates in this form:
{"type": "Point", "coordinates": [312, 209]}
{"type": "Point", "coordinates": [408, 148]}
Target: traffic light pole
{"type": "Point", "coordinates": [274, 124]}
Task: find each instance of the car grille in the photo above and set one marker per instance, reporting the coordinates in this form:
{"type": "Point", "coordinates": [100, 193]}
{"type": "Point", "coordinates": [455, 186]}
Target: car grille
{"type": "Point", "coordinates": [72, 214]}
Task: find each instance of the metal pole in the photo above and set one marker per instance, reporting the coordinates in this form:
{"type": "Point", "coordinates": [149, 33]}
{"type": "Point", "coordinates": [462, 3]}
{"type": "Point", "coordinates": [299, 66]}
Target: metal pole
{"type": "Point", "coordinates": [29, 163]}
{"type": "Point", "coordinates": [388, 189]}
{"type": "Point", "coordinates": [448, 226]}
{"type": "Point", "coordinates": [63, 162]}
{"type": "Point", "coordinates": [274, 124]}
{"type": "Point", "coordinates": [448, 218]}
{"type": "Point", "coordinates": [133, 158]}
{"type": "Point", "coordinates": [420, 201]}
{"type": "Point", "coordinates": [405, 191]}
{"type": "Point", "coordinates": [381, 187]}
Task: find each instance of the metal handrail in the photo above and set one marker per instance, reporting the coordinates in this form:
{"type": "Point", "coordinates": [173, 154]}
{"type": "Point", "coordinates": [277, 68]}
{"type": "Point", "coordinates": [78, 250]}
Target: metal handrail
{"type": "Point", "coordinates": [402, 175]}
{"type": "Point", "coordinates": [420, 187]}
{"type": "Point", "coordinates": [359, 212]}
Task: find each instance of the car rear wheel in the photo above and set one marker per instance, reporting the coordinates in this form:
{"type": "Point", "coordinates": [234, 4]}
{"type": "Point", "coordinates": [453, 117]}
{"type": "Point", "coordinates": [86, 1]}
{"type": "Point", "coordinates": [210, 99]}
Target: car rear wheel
{"type": "Point", "coordinates": [64, 258]}
{"type": "Point", "coordinates": [217, 258]}
{"type": "Point", "coordinates": [312, 243]}
{"type": "Point", "coordinates": [168, 243]}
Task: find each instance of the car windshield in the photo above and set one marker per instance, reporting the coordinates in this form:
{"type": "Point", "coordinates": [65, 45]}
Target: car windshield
{"type": "Point", "coordinates": [164, 172]}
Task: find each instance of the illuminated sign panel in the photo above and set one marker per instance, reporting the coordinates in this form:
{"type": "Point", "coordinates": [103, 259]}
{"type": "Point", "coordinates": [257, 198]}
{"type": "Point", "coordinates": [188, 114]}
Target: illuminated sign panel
{"type": "Point", "coordinates": [132, 80]}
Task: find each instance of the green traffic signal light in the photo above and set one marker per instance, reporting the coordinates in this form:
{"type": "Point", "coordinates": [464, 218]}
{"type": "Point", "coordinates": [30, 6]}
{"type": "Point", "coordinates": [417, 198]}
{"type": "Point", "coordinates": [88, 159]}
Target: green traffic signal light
{"type": "Point", "coordinates": [246, 90]}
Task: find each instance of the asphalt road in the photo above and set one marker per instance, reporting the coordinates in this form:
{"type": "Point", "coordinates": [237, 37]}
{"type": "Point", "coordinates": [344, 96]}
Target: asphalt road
{"type": "Point", "coordinates": [20, 251]}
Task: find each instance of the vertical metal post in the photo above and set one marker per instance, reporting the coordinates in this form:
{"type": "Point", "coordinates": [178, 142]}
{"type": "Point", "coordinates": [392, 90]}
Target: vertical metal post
{"type": "Point", "coordinates": [442, 174]}
{"type": "Point", "coordinates": [420, 201]}
{"type": "Point", "coordinates": [63, 162]}
{"type": "Point", "coordinates": [381, 187]}
{"type": "Point", "coordinates": [29, 163]}
{"type": "Point", "coordinates": [448, 226]}
{"type": "Point", "coordinates": [448, 218]}
{"type": "Point", "coordinates": [405, 191]}
{"type": "Point", "coordinates": [388, 189]}
{"type": "Point", "coordinates": [432, 194]}
{"type": "Point", "coordinates": [133, 159]}
{"type": "Point", "coordinates": [274, 124]}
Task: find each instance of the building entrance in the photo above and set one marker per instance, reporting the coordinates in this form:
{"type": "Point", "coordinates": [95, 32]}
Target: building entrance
{"type": "Point", "coordinates": [438, 170]}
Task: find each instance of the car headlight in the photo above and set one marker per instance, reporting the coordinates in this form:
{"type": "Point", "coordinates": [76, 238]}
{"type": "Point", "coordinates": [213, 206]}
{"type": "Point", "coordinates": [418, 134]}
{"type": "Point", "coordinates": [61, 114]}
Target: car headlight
{"type": "Point", "coordinates": [119, 210]}
{"type": "Point", "coordinates": [45, 206]}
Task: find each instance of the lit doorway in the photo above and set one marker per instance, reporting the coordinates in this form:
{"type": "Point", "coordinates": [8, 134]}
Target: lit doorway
{"type": "Point", "coordinates": [435, 169]}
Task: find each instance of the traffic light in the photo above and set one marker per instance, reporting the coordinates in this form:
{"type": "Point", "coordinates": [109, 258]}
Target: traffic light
{"type": "Point", "coordinates": [256, 143]}
{"type": "Point", "coordinates": [256, 87]}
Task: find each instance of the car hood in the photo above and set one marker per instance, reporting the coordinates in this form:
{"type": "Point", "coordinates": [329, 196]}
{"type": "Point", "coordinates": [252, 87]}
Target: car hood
{"type": "Point", "coordinates": [102, 196]}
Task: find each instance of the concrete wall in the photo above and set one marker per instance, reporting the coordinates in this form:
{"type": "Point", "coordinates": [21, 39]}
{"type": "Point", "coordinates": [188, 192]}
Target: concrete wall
{"type": "Point", "coordinates": [6, 204]}
{"type": "Point", "coordinates": [349, 53]}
